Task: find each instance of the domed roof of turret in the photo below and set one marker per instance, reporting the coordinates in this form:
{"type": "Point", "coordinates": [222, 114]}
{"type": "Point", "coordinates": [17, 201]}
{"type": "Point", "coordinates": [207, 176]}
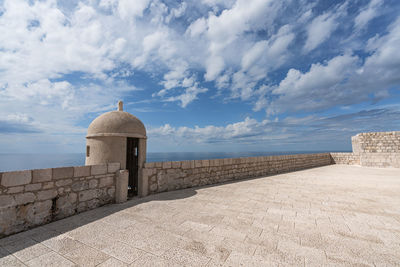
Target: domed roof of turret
{"type": "Point", "coordinates": [117, 123]}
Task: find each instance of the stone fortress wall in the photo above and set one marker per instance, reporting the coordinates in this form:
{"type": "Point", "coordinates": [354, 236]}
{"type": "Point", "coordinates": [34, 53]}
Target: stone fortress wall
{"type": "Point", "coordinates": [34, 197]}
{"type": "Point", "coordinates": [375, 149]}
{"type": "Point", "coordinates": [174, 175]}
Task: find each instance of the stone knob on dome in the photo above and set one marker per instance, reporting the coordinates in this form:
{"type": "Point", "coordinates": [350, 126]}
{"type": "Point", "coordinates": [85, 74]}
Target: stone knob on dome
{"type": "Point", "coordinates": [120, 106]}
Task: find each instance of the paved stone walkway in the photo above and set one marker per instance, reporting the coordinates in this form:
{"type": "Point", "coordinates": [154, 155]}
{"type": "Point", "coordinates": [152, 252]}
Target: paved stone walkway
{"type": "Point", "coordinates": [335, 215]}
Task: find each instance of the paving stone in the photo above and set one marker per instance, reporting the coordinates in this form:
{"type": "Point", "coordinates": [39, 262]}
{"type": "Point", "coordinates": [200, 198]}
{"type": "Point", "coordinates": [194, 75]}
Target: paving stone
{"type": "Point", "coordinates": [260, 222]}
{"type": "Point", "coordinates": [10, 260]}
{"type": "Point", "coordinates": [51, 259]}
{"type": "Point", "coordinates": [113, 262]}
{"type": "Point", "coordinates": [123, 252]}
{"type": "Point", "coordinates": [26, 250]}
{"type": "Point", "coordinates": [87, 256]}
{"type": "Point", "coordinates": [62, 244]}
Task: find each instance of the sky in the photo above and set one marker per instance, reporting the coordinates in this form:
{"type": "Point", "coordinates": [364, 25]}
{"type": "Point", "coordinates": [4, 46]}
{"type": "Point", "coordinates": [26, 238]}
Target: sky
{"type": "Point", "coordinates": [202, 75]}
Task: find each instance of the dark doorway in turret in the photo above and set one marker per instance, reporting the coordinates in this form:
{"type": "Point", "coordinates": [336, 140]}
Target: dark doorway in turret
{"type": "Point", "coordinates": [132, 155]}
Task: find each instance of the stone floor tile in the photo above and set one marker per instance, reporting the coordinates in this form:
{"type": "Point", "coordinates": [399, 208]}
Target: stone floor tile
{"type": "Point", "coordinates": [62, 244]}
{"type": "Point", "coordinates": [229, 232]}
{"type": "Point", "coordinates": [11, 261]}
{"type": "Point", "coordinates": [49, 260]}
{"type": "Point", "coordinates": [190, 225]}
{"type": "Point", "coordinates": [26, 250]}
{"type": "Point", "coordinates": [123, 252]}
{"type": "Point", "coordinates": [86, 256]}
{"type": "Point", "coordinates": [185, 258]}
{"type": "Point", "coordinates": [150, 260]}
{"type": "Point", "coordinates": [113, 262]}
{"type": "Point", "coordinates": [239, 259]}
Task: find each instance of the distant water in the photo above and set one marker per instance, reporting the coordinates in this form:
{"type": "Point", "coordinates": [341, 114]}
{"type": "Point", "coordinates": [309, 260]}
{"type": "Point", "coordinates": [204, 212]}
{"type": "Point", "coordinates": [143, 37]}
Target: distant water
{"type": "Point", "coordinates": [13, 162]}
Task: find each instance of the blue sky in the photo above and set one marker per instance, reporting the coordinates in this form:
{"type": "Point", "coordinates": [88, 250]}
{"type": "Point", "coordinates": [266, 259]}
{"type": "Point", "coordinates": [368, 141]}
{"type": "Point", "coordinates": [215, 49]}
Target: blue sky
{"type": "Point", "coordinates": [205, 75]}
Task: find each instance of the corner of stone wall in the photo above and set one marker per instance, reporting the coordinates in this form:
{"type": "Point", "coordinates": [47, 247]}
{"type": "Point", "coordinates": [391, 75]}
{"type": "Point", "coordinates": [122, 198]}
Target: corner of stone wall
{"type": "Point", "coordinates": [34, 197]}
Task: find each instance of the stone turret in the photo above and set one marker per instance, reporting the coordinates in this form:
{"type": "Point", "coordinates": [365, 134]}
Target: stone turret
{"type": "Point", "coordinates": [118, 136]}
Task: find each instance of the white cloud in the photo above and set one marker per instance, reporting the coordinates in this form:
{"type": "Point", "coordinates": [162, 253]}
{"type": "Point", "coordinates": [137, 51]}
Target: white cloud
{"type": "Point", "coordinates": [367, 14]}
{"type": "Point", "coordinates": [319, 30]}
{"type": "Point", "coordinates": [291, 133]}
{"type": "Point", "coordinates": [188, 95]}
{"type": "Point", "coordinates": [343, 80]}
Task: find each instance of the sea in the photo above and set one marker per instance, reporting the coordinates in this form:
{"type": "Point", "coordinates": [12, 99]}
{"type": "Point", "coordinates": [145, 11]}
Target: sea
{"type": "Point", "coordinates": [15, 162]}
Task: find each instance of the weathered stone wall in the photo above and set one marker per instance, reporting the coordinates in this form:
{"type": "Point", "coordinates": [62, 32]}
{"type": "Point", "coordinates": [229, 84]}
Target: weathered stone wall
{"type": "Point", "coordinates": [376, 142]}
{"type": "Point", "coordinates": [167, 176]}
{"type": "Point", "coordinates": [34, 197]}
{"type": "Point", "coordinates": [376, 149]}
{"type": "Point", "coordinates": [380, 160]}
{"type": "Point", "coordinates": [345, 158]}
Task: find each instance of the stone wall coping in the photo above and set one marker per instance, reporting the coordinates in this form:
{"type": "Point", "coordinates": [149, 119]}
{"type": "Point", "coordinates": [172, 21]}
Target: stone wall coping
{"type": "Point", "coordinates": [17, 178]}
{"type": "Point", "coordinates": [225, 161]}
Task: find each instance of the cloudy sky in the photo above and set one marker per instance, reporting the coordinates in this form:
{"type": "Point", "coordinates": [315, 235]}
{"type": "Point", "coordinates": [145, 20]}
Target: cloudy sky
{"type": "Point", "coordinates": [203, 75]}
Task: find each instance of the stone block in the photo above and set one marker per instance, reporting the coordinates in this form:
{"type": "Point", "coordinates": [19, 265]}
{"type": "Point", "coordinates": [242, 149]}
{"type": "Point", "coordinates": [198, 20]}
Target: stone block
{"type": "Point", "coordinates": [24, 198]}
{"type": "Point", "coordinates": [113, 167]}
{"type": "Point", "coordinates": [150, 165]}
{"type": "Point", "coordinates": [9, 179]}
{"type": "Point", "coordinates": [111, 192]}
{"type": "Point", "coordinates": [197, 164]}
{"type": "Point", "coordinates": [80, 186]}
{"type": "Point", "coordinates": [46, 194]}
{"type": "Point", "coordinates": [98, 169]}
{"type": "Point", "coordinates": [176, 164]}
{"type": "Point", "coordinates": [153, 188]}
{"type": "Point", "coordinates": [15, 189]}
{"type": "Point", "coordinates": [121, 187]}
{"type": "Point", "coordinates": [48, 185]}
{"type": "Point", "coordinates": [205, 163]}
{"type": "Point", "coordinates": [7, 201]}
{"type": "Point", "coordinates": [33, 187]}
{"type": "Point", "coordinates": [166, 165]}
{"type": "Point", "coordinates": [41, 175]}
{"type": "Point", "coordinates": [93, 183]}
{"type": "Point", "coordinates": [88, 195]}
{"type": "Point", "coordinates": [81, 171]}
{"type": "Point", "coordinates": [64, 182]}
{"type": "Point", "coordinates": [186, 164]}
{"type": "Point", "coordinates": [62, 173]}
{"type": "Point", "coordinates": [106, 181]}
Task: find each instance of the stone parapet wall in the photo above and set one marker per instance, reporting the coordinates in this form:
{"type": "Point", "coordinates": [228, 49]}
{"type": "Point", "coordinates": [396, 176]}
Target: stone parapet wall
{"type": "Point", "coordinates": [376, 142]}
{"type": "Point", "coordinates": [345, 158]}
{"type": "Point", "coordinates": [34, 197]}
{"type": "Point", "coordinates": [167, 176]}
{"type": "Point", "coordinates": [380, 160]}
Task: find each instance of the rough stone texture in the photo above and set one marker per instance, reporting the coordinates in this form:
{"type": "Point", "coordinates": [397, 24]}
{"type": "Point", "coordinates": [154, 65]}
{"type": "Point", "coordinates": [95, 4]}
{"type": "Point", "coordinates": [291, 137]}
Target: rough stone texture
{"type": "Point", "coordinates": [329, 216]}
{"type": "Point", "coordinates": [41, 175]}
{"type": "Point", "coordinates": [376, 149]}
{"type": "Point", "coordinates": [170, 176]}
{"type": "Point", "coordinates": [81, 171]}
{"type": "Point", "coordinates": [345, 158]}
{"type": "Point", "coordinates": [376, 142]}
{"type": "Point", "coordinates": [98, 169]}
{"type": "Point", "coordinates": [113, 167]}
{"type": "Point", "coordinates": [33, 187]}
{"type": "Point", "coordinates": [31, 198]}
{"type": "Point", "coordinates": [24, 198]}
{"type": "Point", "coordinates": [9, 179]}
{"type": "Point", "coordinates": [62, 173]}
{"type": "Point", "coordinates": [121, 187]}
